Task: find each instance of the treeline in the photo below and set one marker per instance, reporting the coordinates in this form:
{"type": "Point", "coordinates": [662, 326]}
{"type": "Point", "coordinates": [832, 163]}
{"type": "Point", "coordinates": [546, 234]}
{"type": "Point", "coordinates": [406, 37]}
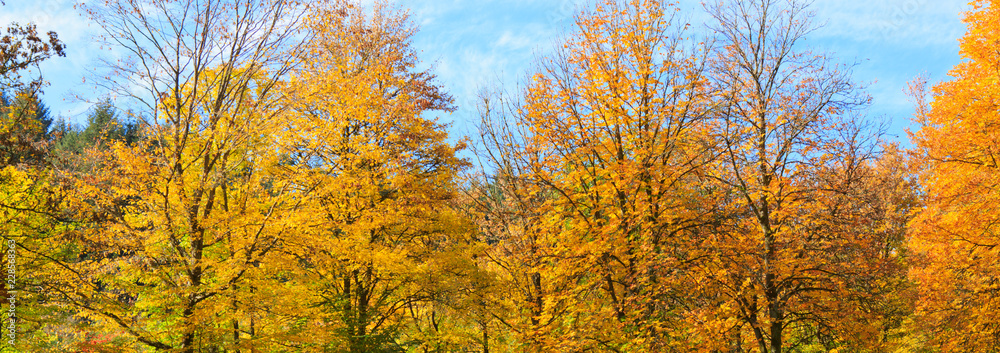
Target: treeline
{"type": "Point", "coordinates": [274, 178]}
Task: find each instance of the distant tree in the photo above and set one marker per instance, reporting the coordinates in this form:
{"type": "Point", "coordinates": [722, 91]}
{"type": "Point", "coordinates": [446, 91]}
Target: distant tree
{"type": "Point", "coordinates": [24, 128]}
{"type": "Point", "coordinates": [104, 124]}
{"type": "Point", "coordinates": [41, 111]}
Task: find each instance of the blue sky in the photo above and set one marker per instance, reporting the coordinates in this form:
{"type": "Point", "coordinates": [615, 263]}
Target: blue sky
{"type": "Point", "coordinates": [476, 43]}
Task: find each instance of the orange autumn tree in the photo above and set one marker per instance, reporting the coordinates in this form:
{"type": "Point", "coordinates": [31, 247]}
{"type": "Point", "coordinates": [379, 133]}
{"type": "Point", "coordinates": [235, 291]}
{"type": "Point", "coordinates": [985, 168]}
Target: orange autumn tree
{"type": "Point", "coordinates": [956, 233]}
{"type": "Point", "coordinates": [794, 258]}
{"type": "Point", "coordinates": [380, 247]}
{"type": "Point", "coordinates": [606, 147]}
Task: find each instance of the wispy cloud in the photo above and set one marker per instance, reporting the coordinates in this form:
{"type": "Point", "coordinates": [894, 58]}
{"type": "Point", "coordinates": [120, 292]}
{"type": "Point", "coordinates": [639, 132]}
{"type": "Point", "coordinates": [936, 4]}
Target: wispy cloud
{"type": "Point", "coordinates": [478, 43]}
{"type": "Point", "coordinates": [893, 41]}
{"type": "Point", "coordinates": [899, 22]}
{"type": "Point", "coordinates": [475, 44]}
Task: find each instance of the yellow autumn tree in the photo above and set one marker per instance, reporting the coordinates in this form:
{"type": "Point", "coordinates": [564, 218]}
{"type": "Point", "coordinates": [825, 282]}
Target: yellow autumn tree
{"type": "Point", "coordinates": [956, 232]}
{"type": "Point", "coordinates": [32, 218]}
{"type": "Point", "coordinates": [176, 235]}
{"type": "Point", "coordinates": [31, 198]}
{"type": "Point", "coordinates": [379, 243]}
{"type": "Point", "coordinates": [603, 157]}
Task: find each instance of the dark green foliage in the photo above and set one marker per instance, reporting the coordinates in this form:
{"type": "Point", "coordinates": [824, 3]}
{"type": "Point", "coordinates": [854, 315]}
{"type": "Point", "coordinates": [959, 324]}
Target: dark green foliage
{"type": "Point", "coordinates": [104, 124]}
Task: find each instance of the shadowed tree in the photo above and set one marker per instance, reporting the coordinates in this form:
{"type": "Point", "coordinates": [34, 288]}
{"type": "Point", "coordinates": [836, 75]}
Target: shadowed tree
{"type": "Point", "coordinates": [792, 264]}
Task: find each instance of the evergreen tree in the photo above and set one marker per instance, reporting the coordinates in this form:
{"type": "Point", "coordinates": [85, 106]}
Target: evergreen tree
{"type": "Point", "coordinates": [104, 124]}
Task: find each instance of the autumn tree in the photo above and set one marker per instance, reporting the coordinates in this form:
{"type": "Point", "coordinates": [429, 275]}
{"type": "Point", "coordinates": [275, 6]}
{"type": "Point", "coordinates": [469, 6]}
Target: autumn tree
{"type": "Point", "coordinates": [176, 233]}
{"type": "Point", "coordinates": [505, 214]}
{"type": "Point", "coordinates": [30, 203]}
{"type": "Point", "coordinates": [22, 49]}
{"type": "Point", "coordinates": [956, 232]}
{"type": "Point", "coordinates": [793, 251]}
{"type": "Point", "coordinates": [24, 128]}
{"type": "Point", "coordinates": [381, 246]}
{"type": "Point", "coordinates": [24, 120]}
{"type": "Point", "coordinates": [607, 144]}
{"type": "Point", "coordinates": [31, 218]}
